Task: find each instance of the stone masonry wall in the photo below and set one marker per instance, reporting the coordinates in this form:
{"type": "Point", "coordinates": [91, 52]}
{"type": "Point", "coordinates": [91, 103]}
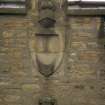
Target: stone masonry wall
{"type": "Point", "coordinates": [78, 81]}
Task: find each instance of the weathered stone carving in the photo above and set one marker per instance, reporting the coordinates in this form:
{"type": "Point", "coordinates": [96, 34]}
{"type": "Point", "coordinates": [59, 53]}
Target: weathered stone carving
{"type": "Point", "coordinates": [47, 21]}
{"type": "Point", "coordinates": [49, 54]}
{"type": "Point", "coordinates": [45, 69]}
{"type": "Point", "coordinates": [49, 42]}
{"type": "Point", "coordinates": [47, 101]}
{"type": "Point", "coordinates": [46, 13]}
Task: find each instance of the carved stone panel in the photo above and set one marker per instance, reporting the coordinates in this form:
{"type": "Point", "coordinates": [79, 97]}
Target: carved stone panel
{"type": "Point", "coordinates": [47, 13]}
{"type": "Point", "coordinates": [49, 53]}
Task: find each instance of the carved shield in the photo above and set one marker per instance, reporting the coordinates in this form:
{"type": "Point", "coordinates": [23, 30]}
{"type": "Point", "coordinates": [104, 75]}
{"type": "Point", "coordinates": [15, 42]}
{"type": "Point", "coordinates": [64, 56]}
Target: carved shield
{"type": "Point", "coordinates": [49, 53]}
{"type": "Point", "coordinates": [45, 69]}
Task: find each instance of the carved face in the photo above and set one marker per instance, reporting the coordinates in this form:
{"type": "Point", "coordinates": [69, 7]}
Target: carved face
{"type": "Point", "coordinates": [49, 54]}
{"type": "Point", "coordinates": [49, 49]}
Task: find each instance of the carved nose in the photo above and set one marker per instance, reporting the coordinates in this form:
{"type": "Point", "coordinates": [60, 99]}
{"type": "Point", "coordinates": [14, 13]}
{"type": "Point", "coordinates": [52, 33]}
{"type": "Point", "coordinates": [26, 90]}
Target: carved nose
{"type": "Point", "coordinates": [47, 18]}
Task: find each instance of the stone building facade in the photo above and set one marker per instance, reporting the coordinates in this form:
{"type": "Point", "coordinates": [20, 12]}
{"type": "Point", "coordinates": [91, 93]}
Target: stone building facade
{"type": "Point", "coordinates": [80, 78]}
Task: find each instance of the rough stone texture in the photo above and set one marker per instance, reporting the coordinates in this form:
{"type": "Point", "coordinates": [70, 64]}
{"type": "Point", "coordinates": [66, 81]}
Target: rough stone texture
{"type": "Point", "coordinates": [80, 80]}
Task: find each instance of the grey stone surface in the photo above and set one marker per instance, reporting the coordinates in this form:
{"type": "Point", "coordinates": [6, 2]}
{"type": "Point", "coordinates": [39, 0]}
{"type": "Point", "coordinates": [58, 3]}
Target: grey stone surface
{"type": "Point", "coordinates": [80, 78]}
